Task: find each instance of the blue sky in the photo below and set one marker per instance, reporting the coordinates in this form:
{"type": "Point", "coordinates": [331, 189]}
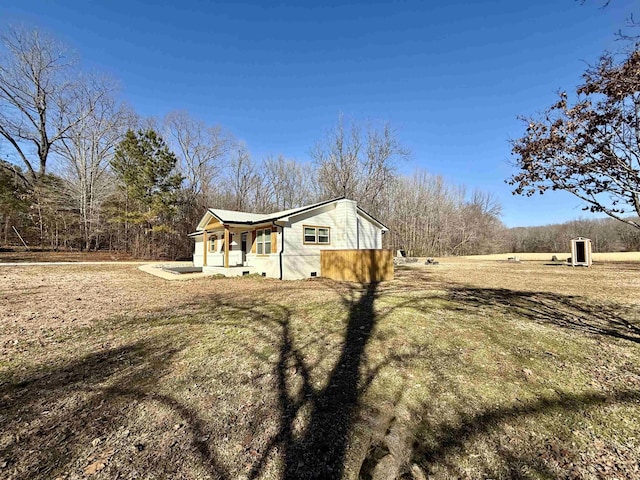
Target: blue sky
{"type": "Point", "coordinates": [451, 76]}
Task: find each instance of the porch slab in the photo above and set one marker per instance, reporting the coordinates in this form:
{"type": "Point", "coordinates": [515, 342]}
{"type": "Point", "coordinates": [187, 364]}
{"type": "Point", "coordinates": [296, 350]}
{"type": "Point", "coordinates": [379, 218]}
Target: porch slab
{"type": "Point", "coordinates": [235, 271]}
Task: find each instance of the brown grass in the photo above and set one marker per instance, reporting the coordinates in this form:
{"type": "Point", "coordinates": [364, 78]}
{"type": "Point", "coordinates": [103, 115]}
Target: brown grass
{"type": "Point", "coordinates": [460, 370]}
{"type": "Point", "coordinates": [542, 257]}
{"type": "Point", "coordinates": [21, 255]}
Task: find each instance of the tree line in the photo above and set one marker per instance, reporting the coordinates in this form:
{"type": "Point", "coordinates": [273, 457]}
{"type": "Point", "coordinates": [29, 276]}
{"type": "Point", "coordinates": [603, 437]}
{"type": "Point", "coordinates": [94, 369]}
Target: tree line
{"type": "Point", "coordinates": [79, 169]}
{"type": "Point", "coordinates": [606, 234]}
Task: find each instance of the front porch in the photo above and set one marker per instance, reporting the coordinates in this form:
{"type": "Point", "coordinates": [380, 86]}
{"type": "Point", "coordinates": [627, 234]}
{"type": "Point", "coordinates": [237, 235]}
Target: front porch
{"type": "Point", "coordinates": [236, 250]}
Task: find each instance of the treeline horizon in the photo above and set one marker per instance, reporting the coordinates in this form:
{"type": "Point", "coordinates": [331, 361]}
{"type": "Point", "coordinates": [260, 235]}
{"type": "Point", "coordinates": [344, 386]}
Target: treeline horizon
{"type": "Point", "coordinates": [80, 170]}
{"type": "Point", "coordinates": [606, 235]}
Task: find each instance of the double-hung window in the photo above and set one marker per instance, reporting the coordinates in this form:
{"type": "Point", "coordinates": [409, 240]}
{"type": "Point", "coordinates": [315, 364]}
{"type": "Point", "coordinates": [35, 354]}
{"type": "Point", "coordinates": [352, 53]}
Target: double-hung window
{"type": "Point", "coordinates": [263, 241]}
{"type": "Point", "coordinates": [317, 235]}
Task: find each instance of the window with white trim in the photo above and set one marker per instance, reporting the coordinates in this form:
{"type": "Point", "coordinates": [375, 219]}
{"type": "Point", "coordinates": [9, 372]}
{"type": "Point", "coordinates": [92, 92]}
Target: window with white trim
{"type": "Point", "coordinates": [263, 241]}
{"type": "Point", "coordinates": [317, 235]}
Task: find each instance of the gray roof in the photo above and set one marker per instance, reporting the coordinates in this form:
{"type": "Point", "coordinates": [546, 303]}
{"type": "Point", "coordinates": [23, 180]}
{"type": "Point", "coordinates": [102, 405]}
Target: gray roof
{"type": "Point", "coordinates": [232, 216]}
{"type": "Point", "coordinates": [246, 218]}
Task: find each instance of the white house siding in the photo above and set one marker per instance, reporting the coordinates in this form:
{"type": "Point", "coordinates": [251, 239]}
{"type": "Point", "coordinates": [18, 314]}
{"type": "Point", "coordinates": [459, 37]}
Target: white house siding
{"type": "Point", "coordinates": [198, 252]}
{"type": "Point", "coordinates": [370, 236]}
{"type": "Point", "coordinates": [348, 230]}
{"type": "Point", "coordinates": [346, 217]}
{"type": "Point", "coordinates": [269, 265]}
{"type": "Point", "coordinates": [300, 260]}
{"type": "Point", "coordinates": [296, 267]}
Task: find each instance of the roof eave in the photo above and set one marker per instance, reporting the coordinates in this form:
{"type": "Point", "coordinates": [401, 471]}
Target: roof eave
{"type": "Point", "coordinates": [374, 219]}
{"type": "Point", "coordinates": [305, 209]}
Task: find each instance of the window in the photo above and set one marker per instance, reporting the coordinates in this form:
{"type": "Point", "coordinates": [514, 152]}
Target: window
{"type": "Point", "coordinates": [309, 235]}
{"type": "Point", "coordinates": [317, 235]}
{"type": "Point", "coordinates": [323, 235]}
{"type": "Point", "coordinates": [263, 241]}
{"type": "Point", "coordinates": [212, 243]}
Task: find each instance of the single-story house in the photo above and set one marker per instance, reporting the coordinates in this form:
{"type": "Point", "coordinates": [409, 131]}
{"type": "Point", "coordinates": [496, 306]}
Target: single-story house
{"type": "Point", "coordinates": [284, 245]}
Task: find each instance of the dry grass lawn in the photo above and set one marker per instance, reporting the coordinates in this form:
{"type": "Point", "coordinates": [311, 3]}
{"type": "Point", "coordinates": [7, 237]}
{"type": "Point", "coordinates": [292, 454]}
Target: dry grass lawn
{"type": "Point", "coordinates": [542, 257]}
{"type": "Point", "coordinates": [17, 254]}
{"type": "Point", "coordinates": [459, 370]}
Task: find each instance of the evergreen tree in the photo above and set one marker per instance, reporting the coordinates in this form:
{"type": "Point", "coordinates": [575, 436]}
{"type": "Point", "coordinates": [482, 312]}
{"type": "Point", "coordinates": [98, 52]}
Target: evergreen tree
{"type": "Point", "coordinates": [148, 185]}
{"type": "Point", "coordinates": [13, 198]}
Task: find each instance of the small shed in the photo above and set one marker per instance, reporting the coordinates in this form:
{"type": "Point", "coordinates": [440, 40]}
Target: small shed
{"type": "Point", "coordinates": [581, 252]}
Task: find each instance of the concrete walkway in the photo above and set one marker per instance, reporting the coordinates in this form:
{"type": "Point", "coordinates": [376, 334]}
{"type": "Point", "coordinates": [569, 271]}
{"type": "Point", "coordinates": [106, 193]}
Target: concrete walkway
{"type": "Point", "coordinates": [156, 269]}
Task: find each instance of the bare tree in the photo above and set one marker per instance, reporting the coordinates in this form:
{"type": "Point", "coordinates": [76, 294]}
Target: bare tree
{"type": "Point", "coordinates": [479, 229]}
{"type": "Point", "coordinates": [358, 163]}
{"type": "Point", "coordinates": [42, 96]}
{"type": "Point", "coordinates": [202, 152]}
{"type": "Point", "coordinates": [288, 181]}
{"type": "Point", "coordinates": [86, 150]}
{"type": "Point", "coordinates": [245, 185]}
{"type": "Point", "coordinates": [428, 216]}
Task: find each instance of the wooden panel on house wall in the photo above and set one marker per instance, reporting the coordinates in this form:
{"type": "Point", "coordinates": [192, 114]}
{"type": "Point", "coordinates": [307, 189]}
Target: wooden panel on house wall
{"type": "Point", "coordinates": [364, 266]}
{"type": "Point", "coordinates": [253, 241]}
{"type": "Point", "coordinates": [213, 223]}
{"type": "Point", "coordinates": [274, 240]}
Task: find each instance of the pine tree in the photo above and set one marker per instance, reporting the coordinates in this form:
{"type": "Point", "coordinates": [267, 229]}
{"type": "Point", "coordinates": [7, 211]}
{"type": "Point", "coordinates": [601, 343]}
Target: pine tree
{"type": "Point", "coordinates": [148, 184]}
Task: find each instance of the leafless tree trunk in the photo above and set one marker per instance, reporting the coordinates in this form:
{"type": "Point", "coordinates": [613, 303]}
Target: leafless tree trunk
{"type": "Point", "coordinates": [86, 150]}
{"type": "Point", "coordinates": [358, 163]}
{"type": "Point", "coordinates": [42, 96]}
{"type": "Point", "coordinates": [289, 181]}
{"type": "Point", "coordinates": [202, 151]}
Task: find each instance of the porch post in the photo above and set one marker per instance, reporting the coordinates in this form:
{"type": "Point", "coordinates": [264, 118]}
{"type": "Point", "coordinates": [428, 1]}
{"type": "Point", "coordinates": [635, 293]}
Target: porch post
{"type": "Point", "coordinates": [226, 246]}
{"type": "Point", "coordinates": [204, 246]}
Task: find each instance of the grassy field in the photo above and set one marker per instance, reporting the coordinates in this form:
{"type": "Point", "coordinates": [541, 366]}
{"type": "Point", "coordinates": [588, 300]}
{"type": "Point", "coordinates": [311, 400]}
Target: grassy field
{"type": "Point", "coordinates": [17, 254]}
{"type": "Point", "coordinates": [467, 369]}
{"type": "Point", "coordinates": [542, 257]}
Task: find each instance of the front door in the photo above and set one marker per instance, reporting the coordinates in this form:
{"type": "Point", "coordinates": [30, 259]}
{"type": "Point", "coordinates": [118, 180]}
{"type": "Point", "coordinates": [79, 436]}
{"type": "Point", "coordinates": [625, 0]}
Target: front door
{"type": "Point", "coordinates": [244, 248]}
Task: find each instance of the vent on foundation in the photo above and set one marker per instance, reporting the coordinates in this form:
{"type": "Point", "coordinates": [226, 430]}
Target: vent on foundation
{"type": "Point", "coordinates": [314, 274]}
{"type": "Point", "coordinates": [264, 274]}
{"type": "Point", "coordinates": [246, 272]}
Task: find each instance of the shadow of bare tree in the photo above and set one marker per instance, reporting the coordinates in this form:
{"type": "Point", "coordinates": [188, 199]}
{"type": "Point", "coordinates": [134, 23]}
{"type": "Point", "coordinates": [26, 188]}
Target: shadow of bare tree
{"type": "Point", "coordinates": [445, 439]}
{"type": "Point", "coordinates": [319, 451]}
{"type": "Point", "coordinates": [317, 398]}
{"type": "Point", "coordinates": [571, 312]}
{"type": "Point", "coordinates": [68, 408]}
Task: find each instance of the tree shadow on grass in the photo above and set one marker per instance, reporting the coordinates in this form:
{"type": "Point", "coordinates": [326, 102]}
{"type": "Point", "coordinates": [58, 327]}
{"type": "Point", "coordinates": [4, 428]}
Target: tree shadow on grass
{"type": "Point", "coordinates": [314, 422]}
{"type": "Point", "coordinates": [318, 451]}
{"type": "Point", "coordinates": [51, 417]}
{"type": "Point", "coordinates": [316, 412]}
{"type": "Point", "coordinates": [565, 311]}
{"type": "Point", "coordinates": [317, 404]}
{"type": "Point", "coordinates": [435, 444]}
